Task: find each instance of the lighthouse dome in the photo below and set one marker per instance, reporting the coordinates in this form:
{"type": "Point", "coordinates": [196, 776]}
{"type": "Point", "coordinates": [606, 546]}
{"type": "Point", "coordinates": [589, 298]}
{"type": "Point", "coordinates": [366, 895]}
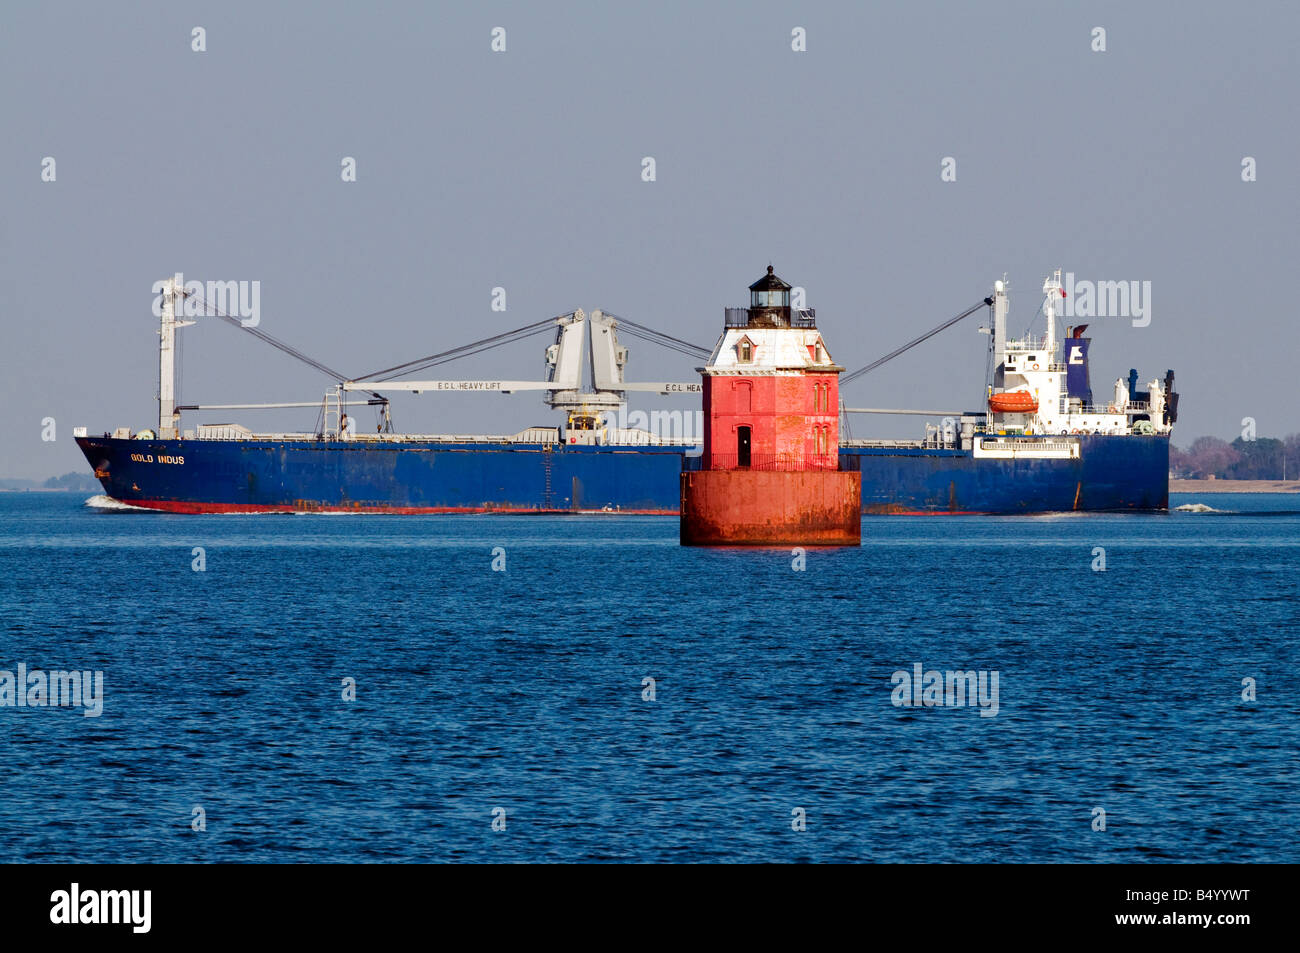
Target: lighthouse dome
{"type": "Point", "coordinates": [769, 302]}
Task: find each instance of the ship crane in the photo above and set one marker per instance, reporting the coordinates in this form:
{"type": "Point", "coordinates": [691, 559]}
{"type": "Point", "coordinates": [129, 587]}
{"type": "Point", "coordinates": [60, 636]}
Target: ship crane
{"type": "Point", "coordinates": [174, 292]}
{"type": "Point", "coordinates": [854, 375]}
{"type": "Point", "coordinates": [965, 419]}
{"type": "Point", "coordinates": [564, 385]}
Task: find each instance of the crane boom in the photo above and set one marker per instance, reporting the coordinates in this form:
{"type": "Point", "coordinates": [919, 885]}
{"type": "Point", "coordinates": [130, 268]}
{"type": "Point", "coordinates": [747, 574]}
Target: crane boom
{"type": "Point", "coordinates": [564, 361]}
{"type": "Point", "coordinates": [848, 378]}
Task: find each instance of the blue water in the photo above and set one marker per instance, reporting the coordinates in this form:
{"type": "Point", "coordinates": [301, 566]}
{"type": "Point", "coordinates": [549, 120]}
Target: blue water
{"type": "Point", "coordinates": [523, 689]}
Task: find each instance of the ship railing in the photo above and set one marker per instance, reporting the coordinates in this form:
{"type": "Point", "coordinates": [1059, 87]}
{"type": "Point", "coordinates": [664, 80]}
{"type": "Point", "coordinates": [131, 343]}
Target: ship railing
{"type": "Point", "coordinates": [476, 438]}
{"type": "Point", "coordinates": [799, 317]}
{"type": "Point", "coordinates": [242, 434]}
{"type": "Point", "coordinates": [781, 461]}
{"type": "Point", "coordinates": [364, 438]}
{"type": "Point", "coordinates": [940, 438]}
{"type": "Point", "coordinates": [1044, 442]}
{"type": "Point", "coordinates": [1129, 407]}
{"type": "Point", "coordinates": [636, 437]}
{"type": "Point", "coordinates": [882, 444]}
{"type": "Point", "coordinates": [1027, 344]}
{"type": "Point", "coordinates": [219, 432]}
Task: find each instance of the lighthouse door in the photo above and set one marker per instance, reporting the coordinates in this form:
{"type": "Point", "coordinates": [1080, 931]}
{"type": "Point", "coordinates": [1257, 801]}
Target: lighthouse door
{"type": "Point", "coordinates": [742, 446]}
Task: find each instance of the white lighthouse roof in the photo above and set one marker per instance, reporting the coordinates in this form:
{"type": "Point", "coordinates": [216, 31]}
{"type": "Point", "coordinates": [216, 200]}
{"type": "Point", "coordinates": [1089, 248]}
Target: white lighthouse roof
{"type": "Point", "coordinates": [758, 350]}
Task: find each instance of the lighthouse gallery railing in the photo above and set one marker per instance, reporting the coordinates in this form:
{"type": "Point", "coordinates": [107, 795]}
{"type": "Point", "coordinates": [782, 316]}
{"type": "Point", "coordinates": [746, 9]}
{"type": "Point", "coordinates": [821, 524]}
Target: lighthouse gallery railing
{"type": "Point", "coordinates": [762, 461]}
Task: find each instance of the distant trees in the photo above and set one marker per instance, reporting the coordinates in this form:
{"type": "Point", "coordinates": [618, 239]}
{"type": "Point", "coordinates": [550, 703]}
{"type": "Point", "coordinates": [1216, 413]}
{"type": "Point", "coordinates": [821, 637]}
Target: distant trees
{"type": "Point", "coordinates": [81, 482]}
{"type": "Point", "coordinates": [1207, 456]}
{"type": "Point", "coordinates": [1260, 459]}
{"type": "Point", "coordinates": [1265, 458]}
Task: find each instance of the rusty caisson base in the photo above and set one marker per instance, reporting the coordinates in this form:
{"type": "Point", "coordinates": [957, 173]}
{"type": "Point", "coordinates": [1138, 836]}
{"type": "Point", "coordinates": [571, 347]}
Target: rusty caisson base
{"type": "Point", "coordinates": [771, 508]}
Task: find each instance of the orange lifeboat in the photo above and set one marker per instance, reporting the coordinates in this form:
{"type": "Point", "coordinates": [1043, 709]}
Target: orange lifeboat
{"type": "Point", "coordinates": [1013, 402]}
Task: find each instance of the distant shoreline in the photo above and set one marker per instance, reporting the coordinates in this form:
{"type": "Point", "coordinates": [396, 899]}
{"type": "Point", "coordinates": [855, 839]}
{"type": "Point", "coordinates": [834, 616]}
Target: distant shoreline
{"type": "Point", "coordinates": [41, 489]}
{"type": "Point", "coordinates": [1234, 486]}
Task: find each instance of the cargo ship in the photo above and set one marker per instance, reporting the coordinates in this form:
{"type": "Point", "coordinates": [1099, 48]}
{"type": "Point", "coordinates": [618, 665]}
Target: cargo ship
{"type": "Point", "coordinates": [1037, 443]}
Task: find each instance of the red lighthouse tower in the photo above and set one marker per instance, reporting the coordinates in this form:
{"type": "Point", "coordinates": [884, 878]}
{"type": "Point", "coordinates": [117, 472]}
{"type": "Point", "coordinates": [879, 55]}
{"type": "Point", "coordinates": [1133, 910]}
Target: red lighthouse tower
{"type": "Point", "coordinates": [770, 471]}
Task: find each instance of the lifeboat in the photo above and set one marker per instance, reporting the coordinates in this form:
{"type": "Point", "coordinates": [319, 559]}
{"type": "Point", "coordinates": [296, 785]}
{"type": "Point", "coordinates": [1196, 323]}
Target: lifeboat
{"type": "Point", "coordinates": [1013, 402]}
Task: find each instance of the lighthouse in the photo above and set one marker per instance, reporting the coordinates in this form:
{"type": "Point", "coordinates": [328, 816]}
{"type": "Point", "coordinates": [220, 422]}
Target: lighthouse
{"type": "Point", "coordinates": [770, 471]}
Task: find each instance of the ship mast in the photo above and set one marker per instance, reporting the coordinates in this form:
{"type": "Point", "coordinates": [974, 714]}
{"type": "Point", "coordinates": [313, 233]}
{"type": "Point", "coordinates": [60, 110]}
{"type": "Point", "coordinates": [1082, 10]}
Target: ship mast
{"type": "Point", "coordinates": [1052, 290]}
{"type": "Point", "coordinates": [1000, 307]}
{"type": "Point", "coordinates": [168, 415]}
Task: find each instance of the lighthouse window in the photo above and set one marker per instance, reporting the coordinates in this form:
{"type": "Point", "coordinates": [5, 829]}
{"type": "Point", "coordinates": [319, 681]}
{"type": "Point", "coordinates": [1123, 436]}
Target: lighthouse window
{"type": "Point", "coordinates": [746, 352]}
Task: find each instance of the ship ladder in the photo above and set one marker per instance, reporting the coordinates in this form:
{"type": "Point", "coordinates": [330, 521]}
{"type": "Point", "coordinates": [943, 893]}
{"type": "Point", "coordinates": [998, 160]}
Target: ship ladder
{"type": "Point", "coordinates": [547, 459]}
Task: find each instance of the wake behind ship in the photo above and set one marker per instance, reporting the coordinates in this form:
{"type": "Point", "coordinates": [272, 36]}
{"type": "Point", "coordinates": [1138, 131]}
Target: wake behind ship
{"type": "Point", "coordinates": [1038, 444]}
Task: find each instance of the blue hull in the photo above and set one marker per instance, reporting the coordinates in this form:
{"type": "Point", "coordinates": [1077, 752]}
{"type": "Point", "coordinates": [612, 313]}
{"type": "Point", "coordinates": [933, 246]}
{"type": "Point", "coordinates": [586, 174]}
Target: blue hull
{"type": "Point", "coordinates": [1112, 473]}
{"type": "Point", "coordinates": [197, 476]}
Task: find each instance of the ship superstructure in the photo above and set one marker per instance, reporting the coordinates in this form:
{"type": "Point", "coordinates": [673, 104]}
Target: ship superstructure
{"type": "Point", "coordinates": [1054, 381]}
{"type": "Point", "coordinates": [1040, 443]}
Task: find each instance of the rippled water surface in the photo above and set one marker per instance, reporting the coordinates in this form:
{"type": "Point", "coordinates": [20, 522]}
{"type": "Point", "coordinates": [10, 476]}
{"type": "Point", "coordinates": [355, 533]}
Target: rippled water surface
{"type": "Point", "coordinates": [523, 689]}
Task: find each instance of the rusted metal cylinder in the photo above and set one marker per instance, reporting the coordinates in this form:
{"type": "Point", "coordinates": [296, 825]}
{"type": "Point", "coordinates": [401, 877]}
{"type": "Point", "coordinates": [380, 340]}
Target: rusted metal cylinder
{"type": "Point", "coordinates": [771, 508]}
